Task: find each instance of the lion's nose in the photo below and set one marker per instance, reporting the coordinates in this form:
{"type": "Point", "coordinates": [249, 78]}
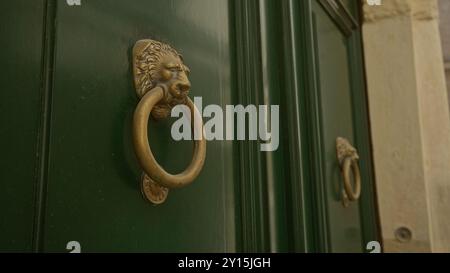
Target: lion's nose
{"type": "Point", "coordinates": [184, 87]}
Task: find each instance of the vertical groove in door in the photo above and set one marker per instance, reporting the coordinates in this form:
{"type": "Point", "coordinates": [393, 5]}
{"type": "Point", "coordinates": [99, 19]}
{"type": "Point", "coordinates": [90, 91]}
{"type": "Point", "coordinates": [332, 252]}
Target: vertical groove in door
{"type": "Point", "coordinates": [254, 233]}
{"type": "Point", "coordinates": [324, 240]}
{"type": "Point", "coordinates": [44, 128]}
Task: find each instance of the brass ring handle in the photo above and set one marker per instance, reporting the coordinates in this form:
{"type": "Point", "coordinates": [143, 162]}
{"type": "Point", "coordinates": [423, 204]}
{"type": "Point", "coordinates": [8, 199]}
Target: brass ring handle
{"type": "Point", "coordinates": [348, 161]}
{"type": "Point", "coordinates": [351, 164]}
{"type": "Point", "coordinates": [144, 152]}
{"type": "Point", "coordinates": [161, 81]}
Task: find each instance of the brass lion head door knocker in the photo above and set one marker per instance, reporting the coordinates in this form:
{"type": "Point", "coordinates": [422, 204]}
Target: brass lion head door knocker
{"type": "Point", "coordinates": [348, 157]}
{"type": "Point", "coordinates": [161, 81]}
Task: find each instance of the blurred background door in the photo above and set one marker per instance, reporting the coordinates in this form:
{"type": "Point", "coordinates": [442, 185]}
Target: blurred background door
{"type": "Point", "coordinates": [340, 112]}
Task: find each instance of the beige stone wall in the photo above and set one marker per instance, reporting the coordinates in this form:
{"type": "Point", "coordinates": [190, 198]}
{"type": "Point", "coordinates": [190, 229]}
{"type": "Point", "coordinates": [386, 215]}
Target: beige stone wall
{"type": "Point", "coordinates": [447, 76]}
{"type": "Point", "coordinates": [444, 25]}
{"type": "Point", "coordinates": [410, 123]}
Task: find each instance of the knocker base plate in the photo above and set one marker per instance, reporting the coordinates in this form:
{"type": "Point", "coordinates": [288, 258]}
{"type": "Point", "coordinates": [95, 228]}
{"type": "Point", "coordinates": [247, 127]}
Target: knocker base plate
{"type": "Point", "coordinates": [152, 191]}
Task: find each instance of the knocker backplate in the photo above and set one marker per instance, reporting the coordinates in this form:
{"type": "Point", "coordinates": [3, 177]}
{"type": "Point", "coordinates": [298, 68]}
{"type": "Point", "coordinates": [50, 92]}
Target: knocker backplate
{"type": "Point", "coordinates": [152, 191]}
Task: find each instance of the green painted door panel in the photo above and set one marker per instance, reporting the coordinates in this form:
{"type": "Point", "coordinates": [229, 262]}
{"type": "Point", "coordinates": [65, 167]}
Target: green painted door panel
{"type": "Point", "coordinates": [335, 113]}
{"type": "Point", "coordinates": [21, 32]}
{"type": "Point", "coordinates": [93, 194]}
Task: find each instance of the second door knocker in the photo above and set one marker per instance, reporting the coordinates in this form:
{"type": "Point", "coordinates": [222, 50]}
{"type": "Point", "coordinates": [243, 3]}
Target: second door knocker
{"type": "Point", "coordinates": [348, 161]}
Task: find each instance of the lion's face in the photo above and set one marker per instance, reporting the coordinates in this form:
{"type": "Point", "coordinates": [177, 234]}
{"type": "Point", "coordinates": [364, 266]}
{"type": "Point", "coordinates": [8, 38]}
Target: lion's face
{"type": "Point", "coordinates": [174, 74]}
{"type": "Point", "coordinates": [156, 64]}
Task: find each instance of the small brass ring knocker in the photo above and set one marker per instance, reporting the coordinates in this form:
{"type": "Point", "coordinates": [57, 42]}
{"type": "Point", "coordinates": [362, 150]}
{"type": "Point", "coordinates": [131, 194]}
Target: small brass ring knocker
{"type": "Point", "coordinates": [161, 80]}
{"type": "Point", "coordinates": [351, 164]}
{"type": "Point", "coordinates": [348, 160]}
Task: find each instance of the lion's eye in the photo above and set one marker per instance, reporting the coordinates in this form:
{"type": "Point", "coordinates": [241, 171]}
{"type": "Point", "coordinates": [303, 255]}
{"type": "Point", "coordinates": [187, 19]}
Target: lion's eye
{"type": "Point", "coordinates": [174, 67]}
{"type": "Point", "coordinates": [171, 67]}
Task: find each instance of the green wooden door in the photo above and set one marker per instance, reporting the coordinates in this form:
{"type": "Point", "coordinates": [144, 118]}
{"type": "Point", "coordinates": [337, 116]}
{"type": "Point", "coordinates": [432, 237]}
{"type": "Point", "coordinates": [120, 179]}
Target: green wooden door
{"type": "Point", "coordinates": [70, 173]}
{"type": "Point", "coordinates": [21, 32]}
